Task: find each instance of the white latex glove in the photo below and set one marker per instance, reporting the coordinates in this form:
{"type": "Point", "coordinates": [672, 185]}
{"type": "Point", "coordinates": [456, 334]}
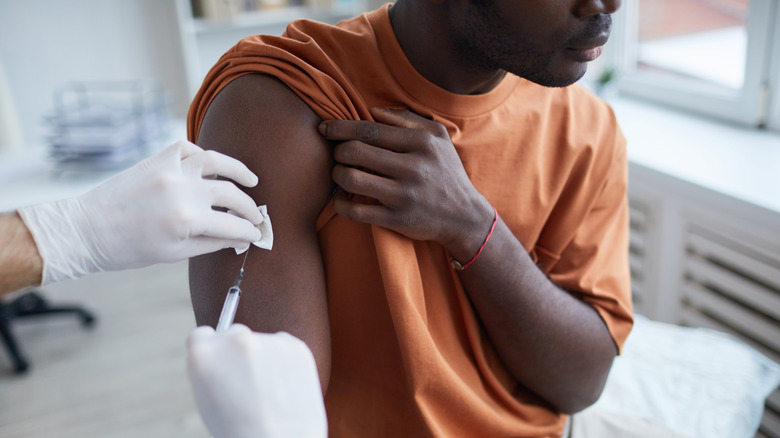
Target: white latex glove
{"type": "Point", "coordinates": [257, 385]}
{"type": "Point", "coordinates": [159, 210]}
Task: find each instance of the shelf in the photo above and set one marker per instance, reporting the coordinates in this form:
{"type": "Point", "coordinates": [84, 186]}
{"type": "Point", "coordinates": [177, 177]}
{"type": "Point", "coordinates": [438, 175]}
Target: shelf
{"type": "Point", "coordinates": [203, 41]}
{"type": "Point", "coordinates": [269, 17]}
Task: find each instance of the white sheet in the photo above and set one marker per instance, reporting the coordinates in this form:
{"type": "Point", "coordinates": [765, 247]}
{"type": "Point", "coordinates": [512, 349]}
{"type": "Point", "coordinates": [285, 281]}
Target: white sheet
{"type": "Point", "coordinates": [698, 382]}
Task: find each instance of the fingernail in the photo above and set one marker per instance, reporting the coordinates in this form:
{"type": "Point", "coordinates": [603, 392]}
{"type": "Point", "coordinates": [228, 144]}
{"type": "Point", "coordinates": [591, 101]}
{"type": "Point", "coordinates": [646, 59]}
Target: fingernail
{"type": "Point", "coordinates": [323, 128]}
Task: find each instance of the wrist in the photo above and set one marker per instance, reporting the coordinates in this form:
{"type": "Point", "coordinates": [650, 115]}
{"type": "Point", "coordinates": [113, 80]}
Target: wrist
{"type": "Point", "coordinates": [460, 266]}
{"type": "Point", "coordinates": [471, 236]}
{"type": "Point", "coordinates": [22, 265]}
{"type": "Point", "coordinates": [56, 228]}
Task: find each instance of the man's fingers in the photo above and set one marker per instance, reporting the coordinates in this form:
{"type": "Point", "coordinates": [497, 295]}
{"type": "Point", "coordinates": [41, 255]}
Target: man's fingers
{"type": "Point", "coordinates": [226, 194]}
{"type": "Point", "coordinates": [359, 212]}
{"type": "Point", "coordinates": [363, 183]}
{"type": "Point", "coordinates": [212, 163]}
{"type": "Point", "coordinates": [400, 117]}
{"type": "Point", "coordinates": [385, 136]}
{"type": "Point", "coordinates": [411, 122]}
{"type": "Point", "coordinates": [375, 159]}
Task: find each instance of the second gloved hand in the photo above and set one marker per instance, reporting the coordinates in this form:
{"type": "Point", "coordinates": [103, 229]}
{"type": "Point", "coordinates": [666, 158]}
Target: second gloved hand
{"type": "Point", "coordinates": [159, 210]}
{"type": "Point", "coordinates": [257, 385]}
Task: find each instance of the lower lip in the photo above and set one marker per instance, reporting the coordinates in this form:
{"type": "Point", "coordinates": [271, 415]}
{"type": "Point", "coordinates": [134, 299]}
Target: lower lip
{"type": "Point", "coordinates": [587, 55]}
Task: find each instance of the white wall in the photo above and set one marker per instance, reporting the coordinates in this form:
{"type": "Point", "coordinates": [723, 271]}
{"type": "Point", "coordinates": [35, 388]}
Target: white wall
{"type": "Point", "coordinates": [45, 43]}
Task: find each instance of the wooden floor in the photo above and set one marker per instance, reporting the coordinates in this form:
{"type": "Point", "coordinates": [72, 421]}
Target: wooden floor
{"type": "Point", "coordinates": [125, 377]}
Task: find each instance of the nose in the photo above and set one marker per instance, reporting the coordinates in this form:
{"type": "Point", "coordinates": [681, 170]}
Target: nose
{"type": "Point", "coordinates": [587, 8]}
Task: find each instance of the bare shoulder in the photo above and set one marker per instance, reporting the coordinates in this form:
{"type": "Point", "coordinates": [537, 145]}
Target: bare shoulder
{"type": "Point", "coordinates": [260, 121]}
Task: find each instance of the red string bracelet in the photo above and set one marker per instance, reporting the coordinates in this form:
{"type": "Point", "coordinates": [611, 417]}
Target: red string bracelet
{"type": "Point", "coordinates": [458, 266]}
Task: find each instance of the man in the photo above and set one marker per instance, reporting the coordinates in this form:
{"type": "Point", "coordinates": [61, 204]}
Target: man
{"type": "Point", "coordinates": [478, 165]}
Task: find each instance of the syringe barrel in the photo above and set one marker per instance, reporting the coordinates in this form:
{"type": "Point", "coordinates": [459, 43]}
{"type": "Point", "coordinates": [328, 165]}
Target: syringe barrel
{"type": "Point", "coordinates": [229, 309]}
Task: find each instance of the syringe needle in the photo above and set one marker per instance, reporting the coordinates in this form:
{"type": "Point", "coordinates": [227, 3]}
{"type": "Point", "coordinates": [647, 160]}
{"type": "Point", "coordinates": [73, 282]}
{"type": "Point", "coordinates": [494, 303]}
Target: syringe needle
{"type": "Point", "coordinates": [245, 256]}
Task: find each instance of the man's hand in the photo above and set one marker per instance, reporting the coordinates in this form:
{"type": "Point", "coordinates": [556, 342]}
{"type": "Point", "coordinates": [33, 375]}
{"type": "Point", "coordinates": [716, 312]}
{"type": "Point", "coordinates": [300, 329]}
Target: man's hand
{"type": "Point", "coordinates": [160, 210]}
{"type": "Point", "coordinates": [256, 385]}
{"type": "Point", "coordinates": [409, 165]}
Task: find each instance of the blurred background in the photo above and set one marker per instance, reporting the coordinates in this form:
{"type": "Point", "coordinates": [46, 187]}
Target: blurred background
{"type": "Point", "coordinates": [89, 87]}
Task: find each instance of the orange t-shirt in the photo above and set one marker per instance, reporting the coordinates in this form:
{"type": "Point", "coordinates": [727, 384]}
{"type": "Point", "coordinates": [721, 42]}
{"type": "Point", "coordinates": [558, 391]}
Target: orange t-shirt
{"type": "Point", "coordinates": [409, 357]}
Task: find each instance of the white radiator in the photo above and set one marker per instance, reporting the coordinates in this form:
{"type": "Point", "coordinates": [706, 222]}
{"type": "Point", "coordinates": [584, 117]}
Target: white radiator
{"type": "Point", "coordinates": [637, 257]}
{"type": "Point", "coordinates": [733, 285]}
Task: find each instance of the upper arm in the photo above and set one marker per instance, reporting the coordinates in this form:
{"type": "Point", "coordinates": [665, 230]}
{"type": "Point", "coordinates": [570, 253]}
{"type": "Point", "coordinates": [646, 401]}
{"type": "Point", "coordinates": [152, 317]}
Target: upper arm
{"type": "Point", "coordinates": [259, 121]}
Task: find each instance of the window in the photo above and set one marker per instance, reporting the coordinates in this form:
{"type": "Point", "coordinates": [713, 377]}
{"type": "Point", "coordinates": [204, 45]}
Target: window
{"type": "Point", "coordinates": [774, 74]}
{"type": "Point", "coordinates": [715, 57]}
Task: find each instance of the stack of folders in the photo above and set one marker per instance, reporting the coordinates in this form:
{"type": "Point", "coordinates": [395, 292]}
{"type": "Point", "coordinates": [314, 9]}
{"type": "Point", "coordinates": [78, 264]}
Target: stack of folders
{"type": "Point", "coordinates": [106, 125]}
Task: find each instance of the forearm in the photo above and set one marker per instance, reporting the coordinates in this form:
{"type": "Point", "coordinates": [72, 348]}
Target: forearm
{"type": "Point", "coordinates": [552, 342]}
{"type": "Point", "coordinates": [20, 264]}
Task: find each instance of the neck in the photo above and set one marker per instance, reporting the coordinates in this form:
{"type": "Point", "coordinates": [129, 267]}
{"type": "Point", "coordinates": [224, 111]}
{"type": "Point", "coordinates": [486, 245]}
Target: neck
{"type": "Point", "coordinates": [421, 27]}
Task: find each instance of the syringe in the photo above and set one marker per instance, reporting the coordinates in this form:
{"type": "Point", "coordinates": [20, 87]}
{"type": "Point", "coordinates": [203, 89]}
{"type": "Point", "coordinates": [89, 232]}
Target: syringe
{"type": "Point", "coordinates": [231, 300]}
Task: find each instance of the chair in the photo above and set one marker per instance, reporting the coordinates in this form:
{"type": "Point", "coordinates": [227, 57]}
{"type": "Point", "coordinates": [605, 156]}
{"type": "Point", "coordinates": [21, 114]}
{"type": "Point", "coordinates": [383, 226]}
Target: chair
{"type": "Point", "coordinates": [31, 304]}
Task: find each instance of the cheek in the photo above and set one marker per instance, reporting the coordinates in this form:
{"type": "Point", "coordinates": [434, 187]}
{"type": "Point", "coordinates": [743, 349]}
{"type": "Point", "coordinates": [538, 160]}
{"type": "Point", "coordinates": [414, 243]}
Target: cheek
{"type": "Point", "coordinates": [555, 35]}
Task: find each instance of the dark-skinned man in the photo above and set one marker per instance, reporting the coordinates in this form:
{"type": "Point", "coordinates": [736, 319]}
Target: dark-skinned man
{"type": "Point", "coordinates": [449, 211]}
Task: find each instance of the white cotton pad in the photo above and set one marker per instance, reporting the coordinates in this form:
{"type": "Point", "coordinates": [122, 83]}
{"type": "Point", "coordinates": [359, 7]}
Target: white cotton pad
{"type": "Point", "coordinates": [267, 239]}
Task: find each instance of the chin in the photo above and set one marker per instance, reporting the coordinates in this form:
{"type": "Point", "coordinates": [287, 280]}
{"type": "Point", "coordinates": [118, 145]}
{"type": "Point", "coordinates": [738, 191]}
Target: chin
{"type": "Point", "coordinates": [559, 78]}
{"type": "Point", "coordinates": [553, 81]}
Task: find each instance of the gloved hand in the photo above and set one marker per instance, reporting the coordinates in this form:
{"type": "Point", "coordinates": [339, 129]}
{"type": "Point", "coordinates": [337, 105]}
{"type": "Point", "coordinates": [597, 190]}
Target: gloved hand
{"type": "Point", "coordinates": [257, 385]}
{"type": "Point", "coordinates": [159, 210]}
